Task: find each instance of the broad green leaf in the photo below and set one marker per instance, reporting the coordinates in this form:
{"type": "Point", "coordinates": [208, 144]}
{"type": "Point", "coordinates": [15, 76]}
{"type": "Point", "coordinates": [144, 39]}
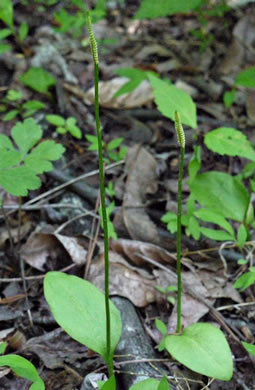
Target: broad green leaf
{"type": "Point", "coordinates": [170, 99]}
{"type": "Point", "coordinates": [22, 367]}
{"type": "Point", "coordinates": [26, 134]}
{"type": "Point", "coordinates": [195, 162]}
{"type": "Point", "coordinates": [3, 346]}
{"type": "Point", "coordinates": [136, 76]}
{"type": "Point", "coordinates": [164, 385]}
{"type": "Point", "coordinates": [204, 349]}
{"type": "Point", "coordinates": [246, 78]}
{"type": "Point", "coordinates": [218, 235]}
{"type": "Point", "coordinates": [73, 128]}
{"type": "Point", "coordinates": [10, 115]}
{"type": "Point", "coordinates": [14, 95]}
{"type": "Point", "coordinates": [23, 31]}
{"type": "Point", "coordinates": [161, 326]}
{"type": "Point", "coordinates": [39, 159]}
{"type": "Point", "coordinates": [249, 347]}
{"type": "Point", "coordinates": [56, 120]}
{"type": "Point", "coordinates": [4, 47]}
{"type": "Point", "coordinates": [245, 281]}
{"type": "Point", "coordinates": [110, 384]}
{"type": "Point", "coordinates": [212, 216]}
{"type": "Point", "coordinates": [221, 192]}
{"type": "Point", "coordinates": [194, 228]}
{"type": "Point", "coordinates": [38, 79]}
{"type": "Point", "coordinates": [229, 98]}
{"type": "Point", "coordinates": [5, 142]}
{"type": "Point", "coordinates": [9, 158]}
{"type": "Point", "coordinates": [33, 105]}
{"type": "Point", "coordinates": [152, 9]}
{"type": "Point", "coordinates": [114, 143]}
{"type": "Point", "coordinates": [241, 235]}
{"type": "Point", "coordinates": [147, 384]}
{"type": "Point", "coordinates": [6, 12]}
{"type": "Point", "coordinates": [79, 308]}
{"type": "Point", "coordinates": [249, 214]}
{"type": "Point", "coordinates": [230, 142]}
{"type": "Point", "coordinates": [4, 33]}
{"type": "Point", "coordinates": [170, 219]}
{"type": "Point", "coordinates": [17, 181]}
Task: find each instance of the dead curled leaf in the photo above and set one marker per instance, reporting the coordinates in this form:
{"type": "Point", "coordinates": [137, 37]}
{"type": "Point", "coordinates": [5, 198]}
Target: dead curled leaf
{"type": "Point", "coordinates": [124, 280]}
{"type": "Point", "coordinates": [142, 179]}
{"type": "Point", "coordinates": [107, 89]}
{"type": "Point", "coordinates": [42, 246]}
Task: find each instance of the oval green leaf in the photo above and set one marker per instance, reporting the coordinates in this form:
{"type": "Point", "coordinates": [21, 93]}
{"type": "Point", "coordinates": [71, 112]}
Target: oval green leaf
{"type": "Point", "coordinates": [147, 384]}
{"type": "Point", "coordinates": [230, 142]}
{"type": "Point", "coordinates": [221, 192]}
{"type": "Point", "coordinates": [170, 99]}
{"type": "Point", "coordinates": [79, 308]}
{"type": "Point", "coordinates": [202, 348]}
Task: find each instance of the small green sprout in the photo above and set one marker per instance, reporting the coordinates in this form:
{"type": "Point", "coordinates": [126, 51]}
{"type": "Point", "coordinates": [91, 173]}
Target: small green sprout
{"type": "Point", "coordinates": [64, 126]}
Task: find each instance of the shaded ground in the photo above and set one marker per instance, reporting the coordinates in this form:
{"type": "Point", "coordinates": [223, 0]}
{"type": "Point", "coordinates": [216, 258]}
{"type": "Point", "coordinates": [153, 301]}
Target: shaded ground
{"type": "Point", "coordinates": [53, 235]}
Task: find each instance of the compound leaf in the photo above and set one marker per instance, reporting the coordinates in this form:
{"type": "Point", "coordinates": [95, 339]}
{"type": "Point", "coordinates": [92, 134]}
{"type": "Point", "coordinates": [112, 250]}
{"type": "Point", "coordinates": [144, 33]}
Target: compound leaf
{"type": "Point", "coordinates": [17, 181]}
{"type": "Point", "coordinates": [26, 134]}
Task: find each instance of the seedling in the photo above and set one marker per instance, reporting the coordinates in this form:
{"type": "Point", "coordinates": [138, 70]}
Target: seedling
{"type": "Point", "coordinates": [38, 79]}
{"type": "Point", "coordinates": [112, 149]}
{"type": "Point", "coordinates": [166, 291]}
{"type": "Point", "coordinates": [6, 15]}
{"type": "Point", "coordinates": [246, 78]}
{"type": "Point", "coordinates": [12, 103]}
{"type": "Point", "coordinates": [64, 126]}
{"type": "Point", "coordinates": [20, 167]}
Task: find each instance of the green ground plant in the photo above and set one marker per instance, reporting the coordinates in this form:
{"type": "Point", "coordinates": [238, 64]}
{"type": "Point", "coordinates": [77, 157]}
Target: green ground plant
{"type": "Point", "coordinates": [246, 79]}
{"type": "Point", "coordinates": [20, 165]}
{"type": "Point", "coordinates": [12, 106]}
{"type": "Point", "coordinates": [64, 126]}
{"type": "Point", "coordinates": [20, 34]}
{"type": "Point", "coordinates": [75, 302]}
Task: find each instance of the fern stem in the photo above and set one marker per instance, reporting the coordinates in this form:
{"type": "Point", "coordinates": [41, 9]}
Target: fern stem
{"type": "Point", "coordinates": [181, 140]}
{"type": "Point", "coordinates": [102, 197]}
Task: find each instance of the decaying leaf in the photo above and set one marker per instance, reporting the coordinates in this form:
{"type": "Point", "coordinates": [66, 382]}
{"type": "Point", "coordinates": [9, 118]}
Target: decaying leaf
{"type": "Point", "coordinates": [142, 180]}
{"type": "Point", "coordinates": [107, 89]}
{"type": "Point", "coordinates": [40, 247]}
{"type": "Point", "coordinates": [125, 280]}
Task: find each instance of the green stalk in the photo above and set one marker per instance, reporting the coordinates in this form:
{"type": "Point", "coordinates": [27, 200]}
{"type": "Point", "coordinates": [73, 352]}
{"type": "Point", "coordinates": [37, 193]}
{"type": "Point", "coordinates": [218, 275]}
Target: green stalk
{"type": "Point", "coordinates": [181, 141]}
{"type": "Point", "coordinates": [102, 196]}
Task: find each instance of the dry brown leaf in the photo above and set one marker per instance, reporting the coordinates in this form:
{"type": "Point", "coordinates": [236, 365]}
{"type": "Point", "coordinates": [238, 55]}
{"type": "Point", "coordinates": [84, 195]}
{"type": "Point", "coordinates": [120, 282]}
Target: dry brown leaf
{"type": "Point", "coordinates": [42, 246]}
{"type": "Point", "coordinates": [107, 89]}
{"type": "Point", "coordinates": [38, 248]}
{"type": "Point", "coordinates": [124, 280]}
{"type": "Point", "coordinates": [134, 250]}
{"type": "Point", "coordinates": [142, 179]}
{"type": "Point", "coordinates": [74, 248]}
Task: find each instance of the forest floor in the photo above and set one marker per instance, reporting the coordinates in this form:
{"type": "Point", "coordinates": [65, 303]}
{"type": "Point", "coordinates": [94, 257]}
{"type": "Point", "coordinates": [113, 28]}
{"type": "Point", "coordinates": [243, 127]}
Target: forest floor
{"type": "Point", "coordinates": [58, 226]}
